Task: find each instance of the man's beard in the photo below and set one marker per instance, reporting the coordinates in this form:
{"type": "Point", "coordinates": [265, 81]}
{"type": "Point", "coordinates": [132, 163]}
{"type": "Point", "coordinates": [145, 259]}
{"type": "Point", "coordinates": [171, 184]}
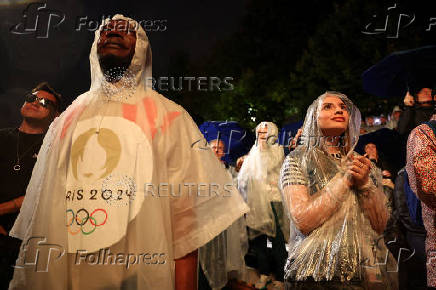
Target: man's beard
{"type": "Point", "coordinates": [37, 122]}
{"type": "Point", "coordinates": [114, 67]}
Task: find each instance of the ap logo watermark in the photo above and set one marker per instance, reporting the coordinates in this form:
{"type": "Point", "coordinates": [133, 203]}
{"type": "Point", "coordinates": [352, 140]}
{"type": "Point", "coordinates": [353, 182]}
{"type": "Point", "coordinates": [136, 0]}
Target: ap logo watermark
{"type": "Point", "coordinates": [37, 254]}
{"type": "Point", "coordinates": [393, 21]}
{"type": "Point", "coordinates": [37, 20]}
{"type": "Point", "coordinates": [392, 24]}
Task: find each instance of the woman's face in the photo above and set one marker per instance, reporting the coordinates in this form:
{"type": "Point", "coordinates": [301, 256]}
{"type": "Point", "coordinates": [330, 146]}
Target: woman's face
{"type": "Point", "coordinates": [333, 116]}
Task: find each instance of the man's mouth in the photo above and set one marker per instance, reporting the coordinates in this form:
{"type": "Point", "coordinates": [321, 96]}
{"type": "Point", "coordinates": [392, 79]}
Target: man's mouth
{"type": "Point", "coordinates": [113, 44]}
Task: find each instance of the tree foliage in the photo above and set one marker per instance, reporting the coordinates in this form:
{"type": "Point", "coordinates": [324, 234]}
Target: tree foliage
{"type": "Point", "coordinates": [284, 56]}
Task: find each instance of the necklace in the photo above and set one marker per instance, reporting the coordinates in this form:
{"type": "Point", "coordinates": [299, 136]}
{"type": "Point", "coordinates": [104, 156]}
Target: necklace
{"type": "Point", "coordinates": [17, 166]}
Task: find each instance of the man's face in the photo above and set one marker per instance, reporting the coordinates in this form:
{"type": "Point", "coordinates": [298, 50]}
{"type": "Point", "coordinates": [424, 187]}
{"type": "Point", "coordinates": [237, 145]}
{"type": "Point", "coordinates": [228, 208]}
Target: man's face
{"type": "Point", "coordinates": [424, 97]}
{"type": "Point", "coordinates": [369, 121]}
{"type": "Point", "coordinates": [117, 41]}
{"type": "Point", "coordinates": [35, 111]}
{"type": "Point", "coordinates": [218, 148]}
{"type": "Point", "coordinates": [371, 150]}
{"type": "Point", "coordinates": [262, 134]}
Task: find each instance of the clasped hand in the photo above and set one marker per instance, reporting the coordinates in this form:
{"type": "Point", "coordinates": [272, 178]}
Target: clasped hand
{"type": "Point", "coordinates": [357, 173]}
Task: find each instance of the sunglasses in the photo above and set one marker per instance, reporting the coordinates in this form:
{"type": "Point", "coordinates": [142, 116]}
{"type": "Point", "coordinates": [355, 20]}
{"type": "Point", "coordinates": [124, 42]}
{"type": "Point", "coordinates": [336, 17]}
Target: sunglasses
{"type": "Point", "coordinates": [30, 98]}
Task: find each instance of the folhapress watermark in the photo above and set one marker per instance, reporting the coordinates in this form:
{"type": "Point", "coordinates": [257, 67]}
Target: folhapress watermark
{"type": "Point", "coordinates": [105, 257]}
{"type": "Point", "coordinates": [92, 24]}
{"type": "Point", "coordinates": [38, 21]}
{"type": "Point", "coordinates": [38, 254]}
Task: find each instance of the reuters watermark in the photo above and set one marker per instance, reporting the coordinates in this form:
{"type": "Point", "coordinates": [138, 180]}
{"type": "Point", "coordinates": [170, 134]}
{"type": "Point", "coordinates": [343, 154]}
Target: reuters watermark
{"type": "Point", "coordinates": [105, 257]}
{"type": "Point", "coordinates": [198, 189]}
{"type": "Point", "coordinates": [190, 83]}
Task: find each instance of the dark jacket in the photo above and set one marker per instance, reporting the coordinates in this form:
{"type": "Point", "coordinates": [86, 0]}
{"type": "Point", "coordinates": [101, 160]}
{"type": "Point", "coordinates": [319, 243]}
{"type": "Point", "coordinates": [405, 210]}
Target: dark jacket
{"type": "Point", "coordinates": [400, 209]}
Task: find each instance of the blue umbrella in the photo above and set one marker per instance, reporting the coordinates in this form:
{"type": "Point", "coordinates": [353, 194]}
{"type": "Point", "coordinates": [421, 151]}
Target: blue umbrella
{"type": "Point", "coordinates": [388, 146]}
{"type": "Point", "coordinates": [289, 131]}
{"type": "Point", "coordinates": [237, 140]}
{"type": "Point", "coordinates": [394, 75]}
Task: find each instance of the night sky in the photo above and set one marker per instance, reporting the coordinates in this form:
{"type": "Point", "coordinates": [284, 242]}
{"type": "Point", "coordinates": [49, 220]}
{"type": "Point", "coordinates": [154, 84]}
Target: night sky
{"type": "Point", "coordinates": [193, 27]}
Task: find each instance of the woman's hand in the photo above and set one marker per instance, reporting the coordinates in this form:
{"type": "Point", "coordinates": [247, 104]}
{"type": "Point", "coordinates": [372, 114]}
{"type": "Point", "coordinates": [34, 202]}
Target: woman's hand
{"type": "Point", "coordinates": [359, 169]}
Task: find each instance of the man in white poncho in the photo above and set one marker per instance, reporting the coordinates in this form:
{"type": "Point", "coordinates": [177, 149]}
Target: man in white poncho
{"type": "Point", "coordinates": [258, 182]}
{"type": "Point", "coordinates": [121, 189]}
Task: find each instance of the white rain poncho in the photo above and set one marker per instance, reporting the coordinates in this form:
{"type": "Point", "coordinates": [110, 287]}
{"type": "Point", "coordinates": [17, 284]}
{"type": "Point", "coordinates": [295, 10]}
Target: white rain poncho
{"type": "Point", "coordinates": [341, 244]}
{"type": "Point", "coordinates": [123, 186]}
{"type": "Point", "coordinates": [223, 257]}
{"type": "Point", "coordinates": [258, 182]}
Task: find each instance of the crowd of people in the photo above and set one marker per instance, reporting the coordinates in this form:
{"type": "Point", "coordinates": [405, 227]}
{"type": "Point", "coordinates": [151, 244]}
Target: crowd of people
{"type": "Point", "coordinates": [124, 171]}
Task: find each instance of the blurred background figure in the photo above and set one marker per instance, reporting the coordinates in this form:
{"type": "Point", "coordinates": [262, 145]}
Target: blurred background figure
{"type": "Point", "coordinates": [419, 104]}
{"type": "Point", "coordinates": [373, 155]}
{"type": "Point", "coordinates": [394, 118]}
{"type": "Point", "coordinates": [222, 259]}
{"type": "Point", "coordinates": [258, 179]}
{"type": "Point", "coordinates": [218, 147]}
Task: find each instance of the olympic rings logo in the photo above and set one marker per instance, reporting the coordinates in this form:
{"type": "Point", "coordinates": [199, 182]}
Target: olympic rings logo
{"type": "Point", "coordinates": [81, 218]}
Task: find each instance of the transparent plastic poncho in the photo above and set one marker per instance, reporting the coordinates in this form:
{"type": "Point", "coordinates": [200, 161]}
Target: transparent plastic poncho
{"type": "Point", "coordinates": [331, 235]}
{"type": "Point", "coordinates": [223, 257]}
{"type": "Point", "coordinates": [258, 183]}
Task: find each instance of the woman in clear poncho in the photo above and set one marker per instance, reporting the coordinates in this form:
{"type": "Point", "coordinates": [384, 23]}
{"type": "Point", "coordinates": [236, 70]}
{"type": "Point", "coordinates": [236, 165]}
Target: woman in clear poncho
{"type": "Point", "coordinates": [258, 183]}
{"type": "Point", "coordinates": [336, 205]}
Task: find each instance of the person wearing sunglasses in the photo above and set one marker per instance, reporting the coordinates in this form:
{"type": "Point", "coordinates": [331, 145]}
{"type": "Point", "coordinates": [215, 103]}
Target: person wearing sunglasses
{"type": "Point", "coordinates": [19, 148]}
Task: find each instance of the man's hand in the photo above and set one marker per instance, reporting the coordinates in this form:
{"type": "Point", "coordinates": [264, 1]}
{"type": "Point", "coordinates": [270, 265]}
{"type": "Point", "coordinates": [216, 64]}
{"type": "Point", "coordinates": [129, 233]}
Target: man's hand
{"type": "Point", "coordinates": [186, 272]}
{"type": "Point", "coordinates": [388, 182]}
{"type": "Point", "coordinates": [409, 100]}
{"type": "Point", "coordinates": [293, 144]}
{"type": "Point", "coordinates": [386, 173]}
{"type": "Point", "coordinates": [11, 206]}
{"type": "Point", "coordinates": [3, 231]}
{"type": "Point", "coordinates": [239, 163]}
